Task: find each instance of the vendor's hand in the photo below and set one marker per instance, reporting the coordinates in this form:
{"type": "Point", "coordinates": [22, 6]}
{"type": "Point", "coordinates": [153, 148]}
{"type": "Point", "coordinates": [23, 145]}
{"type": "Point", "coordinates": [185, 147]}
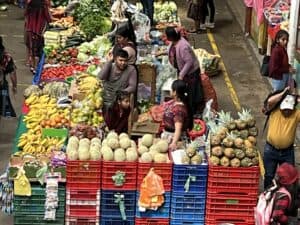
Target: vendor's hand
{"type": "Point", "coordinates": [173, 146]}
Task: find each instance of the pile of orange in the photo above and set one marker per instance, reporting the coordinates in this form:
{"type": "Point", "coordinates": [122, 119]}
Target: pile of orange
{"type": "Point", "coordinates": [59, 121]}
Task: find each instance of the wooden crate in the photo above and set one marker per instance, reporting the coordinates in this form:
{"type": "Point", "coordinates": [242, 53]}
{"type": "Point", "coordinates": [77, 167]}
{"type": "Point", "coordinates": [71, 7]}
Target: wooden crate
{"type": "Point", "coordinates": [147, 75]}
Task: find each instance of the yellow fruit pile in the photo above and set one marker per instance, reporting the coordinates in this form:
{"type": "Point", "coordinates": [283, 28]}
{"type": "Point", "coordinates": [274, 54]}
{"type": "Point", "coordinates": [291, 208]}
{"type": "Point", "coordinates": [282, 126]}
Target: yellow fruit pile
{"type": "Point", "coordinates": [34, 143]}
{"type": "Point", "coordinates": [41, 108]}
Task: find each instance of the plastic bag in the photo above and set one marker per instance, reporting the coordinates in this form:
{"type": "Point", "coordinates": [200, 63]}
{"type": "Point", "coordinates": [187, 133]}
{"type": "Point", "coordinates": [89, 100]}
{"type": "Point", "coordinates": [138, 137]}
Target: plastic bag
{"type": "Point", "coordinates": [208, 114]}
{"type": "Point", "coordinates": [151, 192]}
{"type": "Point", "coordinates": [141, 24]}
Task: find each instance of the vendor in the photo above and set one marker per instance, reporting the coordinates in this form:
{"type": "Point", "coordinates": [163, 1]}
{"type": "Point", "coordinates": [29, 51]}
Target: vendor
{"type": "Point", "coordinates": [177, 114]}
{"type": "Point", "coordinates": [183, 58]}
{"type": "Point", "coordinates": [126, 40]}
{"type": "Point", "coordinates": [116, 117]}
{"type": "Point", "coordinates": [117, 75]}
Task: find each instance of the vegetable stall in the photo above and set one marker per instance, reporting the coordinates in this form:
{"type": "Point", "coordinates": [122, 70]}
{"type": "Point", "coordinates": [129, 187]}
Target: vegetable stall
{"type": "Point", "coordinates": [68, 168]}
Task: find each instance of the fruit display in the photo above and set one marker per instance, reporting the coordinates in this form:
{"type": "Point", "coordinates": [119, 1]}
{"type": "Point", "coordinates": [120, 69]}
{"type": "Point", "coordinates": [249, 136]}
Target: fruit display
{"type": "Point", "coordinates": [191, 156]}
{"type": "Point", "coordinates": [43, 113]}
{"type": "Point", "coordinates": [153, 150]}
{"type": "Point", "coordinates": [88, 110]}
{"type": "Point", "coordinates": [56, 89]}
{"type": "Point", "coordinates": [83, 149]}
{"type": "Point", "coordinates": [32, 90]}
{"type": "Point", "coordinates": [118, 148]}
{"type": "Point", "coordinates": [233, 141]}
{"type": "Point", "coordinates": [86, 131]}
{"type": "Point", "coordinates": [62, 72]}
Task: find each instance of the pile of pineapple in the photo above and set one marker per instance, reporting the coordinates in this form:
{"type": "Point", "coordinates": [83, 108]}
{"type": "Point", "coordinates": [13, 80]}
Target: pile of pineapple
{"type": "Point", "coordinates": [233, 142]}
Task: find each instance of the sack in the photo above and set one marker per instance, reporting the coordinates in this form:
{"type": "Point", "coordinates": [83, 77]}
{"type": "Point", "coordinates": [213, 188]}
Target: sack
{"type": "Point", "coordinates": [264, 69]}
{"type": "Point", "coordinates": [267, 111]}
{"type": "Point", "coordinates": [265, 205]}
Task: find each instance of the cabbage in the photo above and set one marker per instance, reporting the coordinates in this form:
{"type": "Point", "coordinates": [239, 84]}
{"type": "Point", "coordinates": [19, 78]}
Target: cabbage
{"type": "Point", "coordinates": [82, 57]}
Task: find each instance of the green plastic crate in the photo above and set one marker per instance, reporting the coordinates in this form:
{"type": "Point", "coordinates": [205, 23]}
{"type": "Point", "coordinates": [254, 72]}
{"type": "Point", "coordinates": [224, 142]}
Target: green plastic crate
{"type": "Point", "coordinates": [37, 220]}
{"type": "Point", "coordinates": [19, 131]}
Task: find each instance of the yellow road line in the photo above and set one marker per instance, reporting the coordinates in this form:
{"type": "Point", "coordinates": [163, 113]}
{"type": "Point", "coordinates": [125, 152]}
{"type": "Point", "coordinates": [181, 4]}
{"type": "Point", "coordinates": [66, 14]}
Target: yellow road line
{"type": "Point", "coordinates": [230, 87]}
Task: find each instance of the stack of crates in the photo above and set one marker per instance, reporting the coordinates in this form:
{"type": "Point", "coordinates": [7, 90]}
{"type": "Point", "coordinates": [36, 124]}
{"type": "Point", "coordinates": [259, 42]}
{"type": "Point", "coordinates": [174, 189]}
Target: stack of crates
{"type": "Point", "coordinates": [118, 187]}
{"type": "Point", "coordinates": [161, 216]}
{"type": "Point", "coordinates": [83, 192]}
{"type": "Point", "coordinates": [189, 194]}
{"type": "Point", "coordinates": [231, 195]}
{"type": "Point", "coordinates": [30, 210]}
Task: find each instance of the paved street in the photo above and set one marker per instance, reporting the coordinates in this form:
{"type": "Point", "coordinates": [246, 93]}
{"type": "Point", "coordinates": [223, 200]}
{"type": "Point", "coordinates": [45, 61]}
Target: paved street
{"type": "Point", "coordinates": [240, 74]}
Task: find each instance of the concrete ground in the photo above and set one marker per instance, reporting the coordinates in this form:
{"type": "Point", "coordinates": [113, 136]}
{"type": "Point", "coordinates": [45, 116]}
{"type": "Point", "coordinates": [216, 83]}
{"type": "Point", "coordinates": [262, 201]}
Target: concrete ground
{"type": "Point", "coordinates": [240, 73]}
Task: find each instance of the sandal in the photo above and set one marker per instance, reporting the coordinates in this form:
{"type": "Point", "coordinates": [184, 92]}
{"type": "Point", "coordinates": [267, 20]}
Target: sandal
{"type": "Point", "coordinates": [32, 70]}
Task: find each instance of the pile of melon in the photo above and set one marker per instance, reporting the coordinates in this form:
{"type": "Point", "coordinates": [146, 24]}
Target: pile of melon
{"type": "Point", "coordinates": [83, 149]}
{"type": "Point", "coordinates": [153, 150]}
{"type": "Point", "coordinates": [118, 148]}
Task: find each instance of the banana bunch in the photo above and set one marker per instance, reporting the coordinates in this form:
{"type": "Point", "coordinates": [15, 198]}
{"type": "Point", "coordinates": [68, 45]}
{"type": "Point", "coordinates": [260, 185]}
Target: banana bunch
{"type": "Point", "coordinates": [34, 143]}
{"type": "Point", "coordinates": [41, 108]}
{"type": "Point", "coordinates": [87, 83]}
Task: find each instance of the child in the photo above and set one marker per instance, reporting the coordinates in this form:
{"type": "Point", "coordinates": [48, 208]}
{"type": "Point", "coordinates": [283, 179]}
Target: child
{"type": "Point", "coordinates": [279, 67]}
{"type": "Point", "coordinates": [287, 176]}
{"type": "Point", "coordinates": [116, 117]}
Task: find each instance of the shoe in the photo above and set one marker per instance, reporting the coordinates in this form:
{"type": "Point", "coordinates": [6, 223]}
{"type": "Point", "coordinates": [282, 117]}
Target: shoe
{"type": "Point", "coordinates": [202, 27]}
{"type": "Point", "coordinates": [210, 25]}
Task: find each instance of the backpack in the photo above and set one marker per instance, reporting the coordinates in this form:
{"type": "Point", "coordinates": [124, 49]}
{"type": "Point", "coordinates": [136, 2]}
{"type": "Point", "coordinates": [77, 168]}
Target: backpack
{"type": "Point", "coordinates": [265, 205]}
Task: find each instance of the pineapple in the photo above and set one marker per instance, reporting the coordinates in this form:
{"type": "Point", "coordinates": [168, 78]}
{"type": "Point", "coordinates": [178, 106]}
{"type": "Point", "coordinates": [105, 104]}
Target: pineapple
{"type": "Point", "coordinates": [246, 116]}
{"type": "Point", "coordinates": [227, 120]}
{"type": "Point", "coordinates": [215, 138]}
{"type": "Point", "coordinates": [228, 141]}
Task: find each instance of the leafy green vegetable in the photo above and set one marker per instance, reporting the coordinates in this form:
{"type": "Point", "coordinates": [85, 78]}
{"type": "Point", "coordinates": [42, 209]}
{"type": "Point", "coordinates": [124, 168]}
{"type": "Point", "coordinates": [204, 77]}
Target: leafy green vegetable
{"type": "Point", "coordinates": [94, 24]}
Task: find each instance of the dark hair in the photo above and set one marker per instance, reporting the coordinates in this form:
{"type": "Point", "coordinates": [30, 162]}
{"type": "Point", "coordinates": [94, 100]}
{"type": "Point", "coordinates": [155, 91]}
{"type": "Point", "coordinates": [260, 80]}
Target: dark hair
{"type": "Point", "coordinates": [182, 93]}
{"type": "Point", "coordinates": [121, 53]}
{"type": "Point", "coordinates": [279, 34]}
{"type": "Point", "coordinates": [126, 30]}
{"type": "Point", "coordinates": [172, 34]}
{"type": "Point", "coordinates": [121, 95]}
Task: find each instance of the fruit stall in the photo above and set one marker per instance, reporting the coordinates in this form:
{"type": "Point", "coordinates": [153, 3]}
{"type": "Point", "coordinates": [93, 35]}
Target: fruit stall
{"type": "Point", "coordinates": [67, 168]}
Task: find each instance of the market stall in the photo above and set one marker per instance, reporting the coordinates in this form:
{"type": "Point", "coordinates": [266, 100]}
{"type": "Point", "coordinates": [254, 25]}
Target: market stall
{"type": "Point", "coordinates": [68, 168]}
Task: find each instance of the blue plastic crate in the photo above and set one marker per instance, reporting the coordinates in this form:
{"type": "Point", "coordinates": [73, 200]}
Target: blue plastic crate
{"type": "Point", "coordinates": [161, 212]}
{"type": "Point", "coordinates": [186, 206]}
{"type": "Point", "coordinates": [112, 221]}
{"type": "Point", "coordinates": [110, 209]}
{"type": "Point", "coordinates": [186, 222]}
{"type": "Point", "coordinates": [181, 174]}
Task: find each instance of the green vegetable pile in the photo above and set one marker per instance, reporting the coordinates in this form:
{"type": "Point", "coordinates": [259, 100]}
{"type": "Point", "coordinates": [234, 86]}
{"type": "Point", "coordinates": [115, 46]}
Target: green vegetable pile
{"type": "Point", "coordinates": [93, 17]}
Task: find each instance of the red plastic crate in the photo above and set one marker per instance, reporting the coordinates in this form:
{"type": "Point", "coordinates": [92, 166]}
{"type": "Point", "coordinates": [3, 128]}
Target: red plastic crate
{"type": "Point", "coordinates": [233, 218]}
{"type": "Point", "coordinates": [83, 210]}
{"type": "Point", "coordinates": [150, 221]}
{"type": "Point", "coordinates": [81, 221]}
{"type": "Point", "coordinates": [83, 174]}
{"type": "Point", "coordinates": [233, 178]}
{"type": "Point", "coordinates": [109, 169]}
{"type": "Point", "coordinates": [216, 185]}
{"type": "Point", "coordinates": [77, 196]}
{"type": "Point", "coordinates": [230, 203]}
{"type": "Point", "coordinates": [165, 170]}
